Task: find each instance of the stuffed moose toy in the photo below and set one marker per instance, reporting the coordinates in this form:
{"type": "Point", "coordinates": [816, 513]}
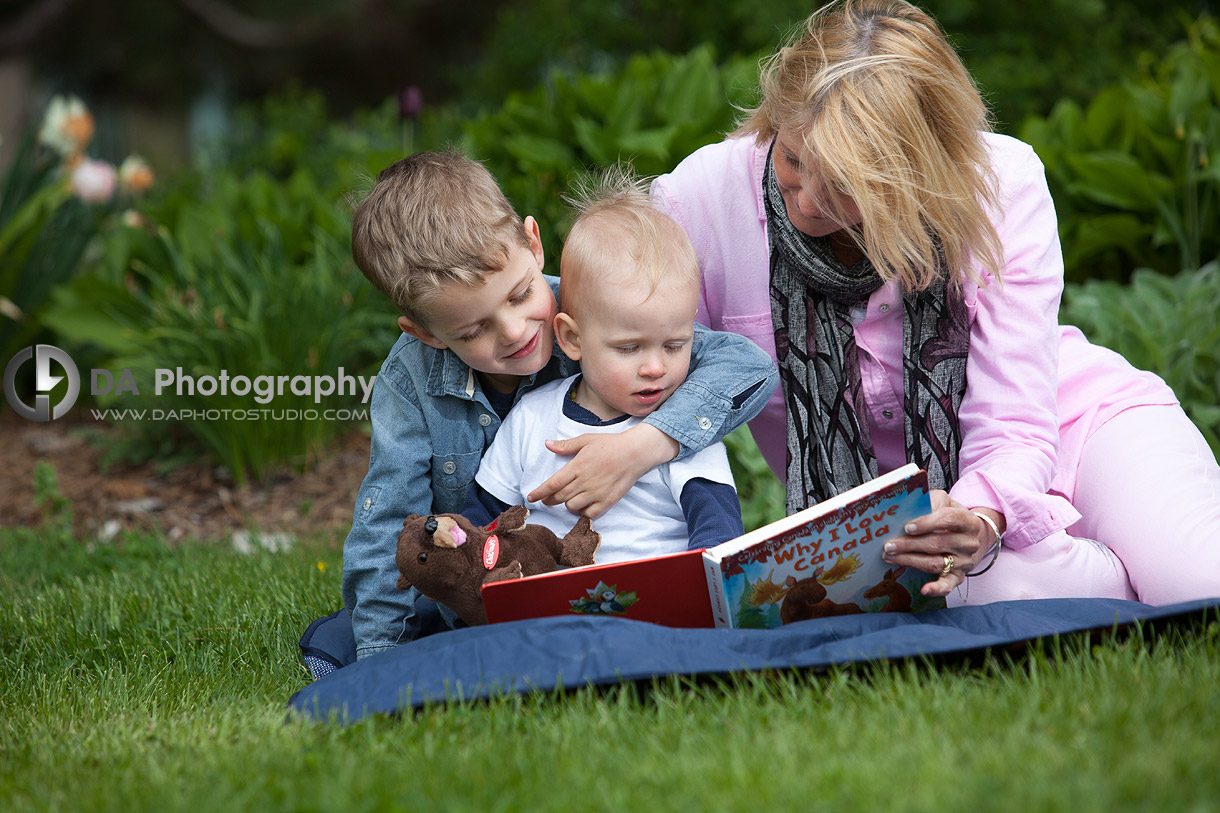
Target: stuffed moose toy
{"type": "Point", "coordinates": [449, 560]}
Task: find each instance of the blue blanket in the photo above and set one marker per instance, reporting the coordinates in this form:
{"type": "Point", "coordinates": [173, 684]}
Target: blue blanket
{"type": "Point", "coordinates": [545, 654]}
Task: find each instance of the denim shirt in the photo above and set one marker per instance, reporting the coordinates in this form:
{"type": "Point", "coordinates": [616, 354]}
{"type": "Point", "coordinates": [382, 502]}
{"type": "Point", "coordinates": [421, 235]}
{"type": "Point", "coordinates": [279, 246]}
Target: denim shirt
{"type": "Point", "coordinates": [432, 422]}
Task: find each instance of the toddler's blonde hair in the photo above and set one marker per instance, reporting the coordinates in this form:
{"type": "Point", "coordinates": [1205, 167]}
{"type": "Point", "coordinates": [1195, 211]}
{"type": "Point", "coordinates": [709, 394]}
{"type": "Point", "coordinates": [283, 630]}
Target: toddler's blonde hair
{"type": "Point", "coordinates": [619, 234]}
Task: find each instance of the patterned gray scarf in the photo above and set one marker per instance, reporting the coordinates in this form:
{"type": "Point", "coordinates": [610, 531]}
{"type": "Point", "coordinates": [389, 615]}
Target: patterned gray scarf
{"type": "Point", "coordinates": [812, 295]}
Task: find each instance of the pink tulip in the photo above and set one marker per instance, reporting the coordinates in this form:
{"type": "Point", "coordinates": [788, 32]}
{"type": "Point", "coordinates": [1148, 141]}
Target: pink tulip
{"type": "Point", "coordinates": [94, 181]}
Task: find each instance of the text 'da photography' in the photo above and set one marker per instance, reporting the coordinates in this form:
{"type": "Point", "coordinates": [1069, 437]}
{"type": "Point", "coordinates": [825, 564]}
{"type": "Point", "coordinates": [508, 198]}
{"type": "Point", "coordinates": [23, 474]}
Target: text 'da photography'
{"type": "Point", "coordinates": [32, 379]}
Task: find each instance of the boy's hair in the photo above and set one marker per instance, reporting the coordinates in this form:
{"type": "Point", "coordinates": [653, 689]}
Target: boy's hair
{"type": "Point", "coordinates": [618, 232]}
{"type": "Point", "coordinates": [888, 113]}
{"type": "Point", "coordinates": [432, 219]}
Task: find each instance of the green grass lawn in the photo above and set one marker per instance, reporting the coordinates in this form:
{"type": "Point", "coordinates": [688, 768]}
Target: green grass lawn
{"type": "Point", "coordinates": [138, 676]}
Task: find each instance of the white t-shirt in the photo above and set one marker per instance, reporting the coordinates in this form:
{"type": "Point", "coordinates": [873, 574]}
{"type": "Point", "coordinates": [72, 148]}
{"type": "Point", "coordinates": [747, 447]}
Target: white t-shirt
{"type": "Point", "coordinates": [647, 521]}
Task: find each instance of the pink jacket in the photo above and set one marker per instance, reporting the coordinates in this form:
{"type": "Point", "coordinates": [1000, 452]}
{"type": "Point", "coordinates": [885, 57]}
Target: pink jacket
{"type": "Point", "coordinates": [1036, 391]}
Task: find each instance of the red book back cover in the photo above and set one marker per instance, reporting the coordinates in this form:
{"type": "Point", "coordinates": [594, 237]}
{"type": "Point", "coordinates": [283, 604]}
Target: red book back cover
{"type": "Point", "coordinates": [669, 590]}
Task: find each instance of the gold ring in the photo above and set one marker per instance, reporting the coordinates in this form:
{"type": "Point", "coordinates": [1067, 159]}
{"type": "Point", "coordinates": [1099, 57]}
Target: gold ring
{"type": "Point", "coordinates": [944, 571]}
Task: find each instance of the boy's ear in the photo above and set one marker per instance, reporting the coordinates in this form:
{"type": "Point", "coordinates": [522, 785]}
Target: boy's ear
{"type": "Point", "coordinates": [534, 235]}
{"type": "Point", "coordinates": [567, 333]}
{"type": "Point", "coordinates": [420, 332]}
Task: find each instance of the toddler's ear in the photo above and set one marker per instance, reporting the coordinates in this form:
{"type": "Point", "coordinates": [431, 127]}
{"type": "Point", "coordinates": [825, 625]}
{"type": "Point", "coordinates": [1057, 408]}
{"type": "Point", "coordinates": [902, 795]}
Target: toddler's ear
{"type": "Point", "coordinates": [567, 333]}
{"type": "Point", "coordinates": [420, 332]}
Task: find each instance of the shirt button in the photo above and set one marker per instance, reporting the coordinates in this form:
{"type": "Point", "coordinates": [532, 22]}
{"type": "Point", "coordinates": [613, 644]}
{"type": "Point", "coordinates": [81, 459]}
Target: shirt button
{"type": "Point", "coordinates": [885, 308]}
{"type": "Point", "coordinates": [484, 420]}
{"type": "Point", "coordinates": [368, 503]}
{"type": "Point", "coordinates": [450, 467]}
{"type": "Point", "coordinates": [888, 413]}
{"type": "Point", "coordinates": [704, 423]}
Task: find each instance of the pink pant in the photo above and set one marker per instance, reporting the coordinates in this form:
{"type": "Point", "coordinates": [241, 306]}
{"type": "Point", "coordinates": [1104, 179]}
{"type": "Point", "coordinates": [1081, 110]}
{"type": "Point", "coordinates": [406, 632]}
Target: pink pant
{"type": "Point", "coordinates": [1148, 488]}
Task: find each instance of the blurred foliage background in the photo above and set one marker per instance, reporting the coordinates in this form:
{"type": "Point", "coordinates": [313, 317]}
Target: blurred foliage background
{"type": "Point", "coordinates": [264, 120]}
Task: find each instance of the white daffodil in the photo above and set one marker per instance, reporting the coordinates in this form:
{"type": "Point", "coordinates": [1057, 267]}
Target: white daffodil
{"type": "Point", "coordinates": [67, 127]}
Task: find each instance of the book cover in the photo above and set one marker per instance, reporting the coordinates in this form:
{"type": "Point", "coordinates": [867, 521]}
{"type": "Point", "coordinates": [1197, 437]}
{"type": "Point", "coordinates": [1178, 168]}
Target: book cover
{"type": "Point", "coordinates": [825, 560]}
{"type": "Point", "coordinates": [669, 590]}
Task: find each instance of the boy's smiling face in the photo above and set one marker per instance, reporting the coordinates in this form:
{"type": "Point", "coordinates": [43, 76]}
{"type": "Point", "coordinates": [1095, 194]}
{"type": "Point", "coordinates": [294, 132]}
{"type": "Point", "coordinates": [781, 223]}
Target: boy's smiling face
{"type": "Point", "coordinates": [502, 329]}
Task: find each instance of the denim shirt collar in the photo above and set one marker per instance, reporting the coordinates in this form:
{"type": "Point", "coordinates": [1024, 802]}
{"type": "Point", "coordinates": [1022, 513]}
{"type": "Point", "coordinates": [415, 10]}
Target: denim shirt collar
{"type": "Point", "coordinates": [449, 375]}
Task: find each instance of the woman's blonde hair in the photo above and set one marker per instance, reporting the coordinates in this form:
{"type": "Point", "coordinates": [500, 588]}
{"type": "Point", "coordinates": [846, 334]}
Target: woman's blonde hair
{"type": "Point", "coordinates": [893, 121]}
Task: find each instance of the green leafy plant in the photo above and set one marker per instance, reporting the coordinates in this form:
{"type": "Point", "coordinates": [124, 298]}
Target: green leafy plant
{"type": "Point", "coordinates": [1134, 173]}
{"type": "Point", "coordinates": [1025, 62]}
{"type": "Point", "coordinates": [42, 238]}
{"type": "Point", "coordinates": [294, 131]}
{"type": "Point", "coordinates": [653, 112]}
{"type": "Point", "coordinates": [1163, 324]}
{"type": "Point", "coordinates": [758, 489]}
{"type": "Point", "coordinates": [529, 41]}
{"type": "Point", "coordinates": [55, 507]}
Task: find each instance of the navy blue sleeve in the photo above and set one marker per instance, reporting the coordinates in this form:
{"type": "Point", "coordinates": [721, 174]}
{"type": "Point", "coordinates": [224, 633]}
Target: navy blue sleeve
{"type": "Point", "coordinates": [713, 514]}
{"type": "Point", "coordinates": [481, 507]}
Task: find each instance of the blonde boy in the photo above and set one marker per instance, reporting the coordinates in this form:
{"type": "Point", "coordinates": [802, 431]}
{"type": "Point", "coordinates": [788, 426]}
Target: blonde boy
{"type": "Point", "coordinates": [628, 302]}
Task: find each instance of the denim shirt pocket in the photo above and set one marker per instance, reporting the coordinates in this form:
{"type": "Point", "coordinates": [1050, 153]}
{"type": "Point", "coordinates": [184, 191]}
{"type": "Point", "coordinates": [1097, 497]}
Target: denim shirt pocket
{"type": "Point", "coordinates": [452, 474]}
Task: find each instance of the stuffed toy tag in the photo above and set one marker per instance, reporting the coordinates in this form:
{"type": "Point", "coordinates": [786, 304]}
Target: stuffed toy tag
{"type": "Point", "coordinates": [491, 551]}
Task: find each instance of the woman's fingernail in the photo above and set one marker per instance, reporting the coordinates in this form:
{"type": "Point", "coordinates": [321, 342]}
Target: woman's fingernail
{"type": "Point", "coordinates": [890, 547]}
{"type": "Point", "coordinates": [910, 528]}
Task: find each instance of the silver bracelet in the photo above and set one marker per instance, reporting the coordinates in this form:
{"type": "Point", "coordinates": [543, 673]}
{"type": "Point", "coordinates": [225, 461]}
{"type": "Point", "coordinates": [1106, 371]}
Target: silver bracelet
{"type": "Point", "coordinates": [995, 549]}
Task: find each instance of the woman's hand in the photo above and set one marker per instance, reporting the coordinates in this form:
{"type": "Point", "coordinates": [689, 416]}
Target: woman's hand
{"type": "Point", "coordinates": [951, 530]}
{"type": "Point", "coordinates": [604, 468]}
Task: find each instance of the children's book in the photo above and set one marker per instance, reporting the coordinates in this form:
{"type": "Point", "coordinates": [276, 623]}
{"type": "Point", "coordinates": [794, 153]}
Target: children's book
{"type": "Point", "coordinates": [825, 560]}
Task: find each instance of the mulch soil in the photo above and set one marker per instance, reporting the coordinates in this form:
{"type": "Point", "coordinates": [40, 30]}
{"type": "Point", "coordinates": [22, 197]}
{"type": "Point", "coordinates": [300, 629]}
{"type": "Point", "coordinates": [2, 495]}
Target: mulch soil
{"type": "Point", "coordinates": [197, 500]}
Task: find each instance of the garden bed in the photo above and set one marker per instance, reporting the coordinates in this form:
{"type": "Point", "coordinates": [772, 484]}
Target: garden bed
{"type": "Point", "coordinates": [195, 500]}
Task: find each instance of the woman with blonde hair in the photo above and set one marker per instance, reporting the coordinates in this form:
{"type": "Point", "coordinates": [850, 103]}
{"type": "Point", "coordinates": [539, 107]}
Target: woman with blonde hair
{"type": "Point", "coordinates": [901, 263]}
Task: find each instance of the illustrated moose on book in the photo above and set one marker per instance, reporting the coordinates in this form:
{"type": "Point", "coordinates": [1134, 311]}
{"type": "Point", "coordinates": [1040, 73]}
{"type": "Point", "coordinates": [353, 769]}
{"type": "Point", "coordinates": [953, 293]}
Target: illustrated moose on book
{"type": "Point", "coordinates": [806, 598]}
{"type": "Point", "coordinates": [898, 597]}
